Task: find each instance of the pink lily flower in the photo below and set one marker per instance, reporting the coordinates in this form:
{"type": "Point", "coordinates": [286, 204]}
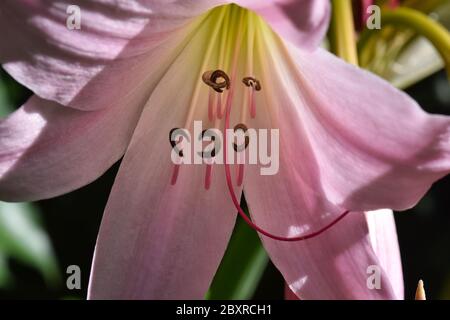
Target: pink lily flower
{"type": "Point", "coordinates": [349, 141]}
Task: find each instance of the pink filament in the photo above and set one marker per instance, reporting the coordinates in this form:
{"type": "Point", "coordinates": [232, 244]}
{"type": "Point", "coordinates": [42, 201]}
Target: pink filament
{"type": "Point", "coordinates": [208, 176]}
{"type": "Point", "coordinates": [252, 103]}
{"type": "Point", "coordinates": [176, 169]}
{"type": "Point", "coordinates": [236, 202]}
{"type": "Point", "coordinates": [219, 106]}
{"type": "Point", "coordinates": [211, 105]}
{"type": "Point", "coordinates": [240, 175]}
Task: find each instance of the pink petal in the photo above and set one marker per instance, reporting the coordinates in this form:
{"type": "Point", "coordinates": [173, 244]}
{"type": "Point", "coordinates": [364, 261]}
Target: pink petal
{"type": "Point", "coordinates": [302, 22]}
{"type": "Point", "coordinates": [57, 63]}
{"type": "Point", "coordinates": [157, 240]}
{"type": "Point", "coordinates": [72, 139]}
{"type": "Point", "coordinates": [288, 294]}
{"type": "Point", "coordinates": [383, 237]}
{"type": "Point", "coordinates": [47, 150]}
{"type": "Point", "coordinates": [334, 265]}
{"type": "Point", "coordinates": [348, 141]}
{"type": "Point", "coordinates": [375, 147]}
{"type": "Point", "coordinates": [113, 53]}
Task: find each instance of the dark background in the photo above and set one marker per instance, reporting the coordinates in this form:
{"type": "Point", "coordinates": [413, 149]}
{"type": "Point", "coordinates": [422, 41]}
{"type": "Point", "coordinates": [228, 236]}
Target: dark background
{"type": "Point", "coordinates": [72, 222]}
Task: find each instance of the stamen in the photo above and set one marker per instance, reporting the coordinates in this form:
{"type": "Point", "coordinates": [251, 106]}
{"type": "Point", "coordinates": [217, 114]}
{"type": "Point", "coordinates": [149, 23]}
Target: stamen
{"type": "Point", "coordinates": [252, 82]}
{"type": "Point", "coordinates": [212, 153]}
{"type": "Point", "coordinates": [240, 174]}
{"type": "Point", "coordinates": [219, 82]}
{"type": "Point", "coordinates": [211, 100]}
{"type": "Point", "coordinates": [219, 106]}
{"type": "Point", "coordinates": [208, 176]}
{"type": "Point", "coordinates": [244, 128]}
{"type": "Point", "coordinates": [211, 77]}
{"type": "Point", "coordinates": [252, 103]}
{"type": "Point", "coordinates": [196, 92]}
{"type": "Point", "coordinates": [176, 167]}
{"type": "Point", "coordinates": [250, 222]}
{"type": "Point", "coordinates": [241, 152]}
{"type": "Point", "coordinates": [175, 171]}
{"type": "Point", "coordinates": [254, 85]}
{"type": "Point", "coordinates": [208, 158]}
{"type": "Point", "coordinates": [174, 144]}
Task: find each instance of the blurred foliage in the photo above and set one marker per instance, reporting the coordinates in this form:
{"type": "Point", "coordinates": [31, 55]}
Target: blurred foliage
{"type": "Point", "coordinates": [22, 235]}
{"type": "Point", "coordinates": [12, 94]}
{"type": "Point", "coordinates": [397, 53]}
{"type": "Point", "coordinates": [242, 266]}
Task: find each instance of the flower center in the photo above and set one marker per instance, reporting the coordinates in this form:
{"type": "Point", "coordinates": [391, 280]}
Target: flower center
{"type": "Point", "coordinates": [232, 39]}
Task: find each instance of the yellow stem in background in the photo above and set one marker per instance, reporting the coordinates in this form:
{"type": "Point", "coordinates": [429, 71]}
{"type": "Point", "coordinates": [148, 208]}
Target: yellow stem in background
{"type": "Point", "coordinates": [342, 32]}
{"type": "Point", "coordinates": [424, 26]}
{"type": "Point", "coordinates": [424, 6]}
{"type": "Point", "coordinates": [419, 23]}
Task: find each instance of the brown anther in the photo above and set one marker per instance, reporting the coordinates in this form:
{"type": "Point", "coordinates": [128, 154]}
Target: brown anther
{"type": "Point", "coordinates": [211, 77]}
{"type": "Point", "coordinates": [252, 82]}
{"type": "Point", "coordinates": [212, 153]}
{"type": "Point", "coordinates": [244, 128]}
{"type": "Point", "coordinates": [174, 143]}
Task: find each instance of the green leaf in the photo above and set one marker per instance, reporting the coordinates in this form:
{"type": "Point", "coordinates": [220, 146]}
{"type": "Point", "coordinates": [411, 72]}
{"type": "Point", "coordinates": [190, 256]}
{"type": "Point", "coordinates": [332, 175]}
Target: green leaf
{"type": "Point", "coordinates": [5, 274]}
{"type": "Point", "coordinates": [23, 238]}
{"type": "Point", "coordinates": [4, 99]}
{"type": "Point", "coordinates": [12, 94]}
{"type": "Point", "coordinates": [242, 266]}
